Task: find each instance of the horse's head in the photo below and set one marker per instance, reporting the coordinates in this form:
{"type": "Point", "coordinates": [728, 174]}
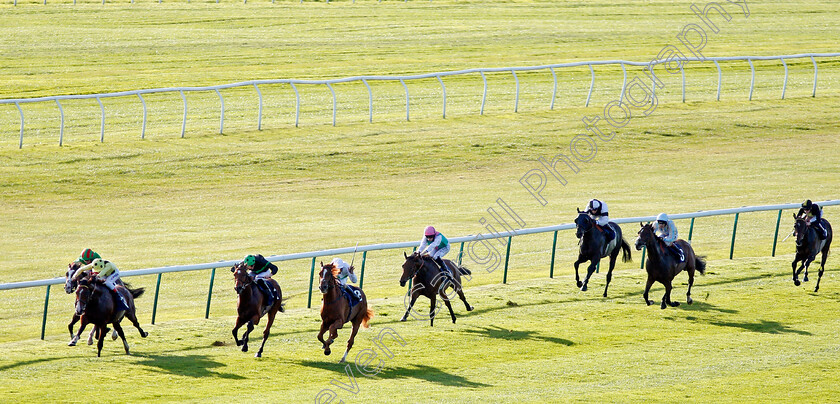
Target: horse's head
{"type": "Point", "coordinates": [240, 277]}
{"type": "Point", "coordinates": [646, 235]}
{"type": "Point", "coordinates": [412, 264]}
{"type": "Point", "coordinates": [327, 277]}
{"type": "Point", "coordinates": [84, 291]}
{"type": "Point", "coordinates": [800, 230]}
{"type": "Point", "coordinates": [69, 283]}
{"type": "Point", "coordinates": [583, 224]}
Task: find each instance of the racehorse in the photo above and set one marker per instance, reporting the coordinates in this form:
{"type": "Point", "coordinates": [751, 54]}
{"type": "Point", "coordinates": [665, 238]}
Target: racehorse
{"type": "Point", "coordinates": [429, 281]}
{"type": "Point", "coordinates": [662, 266]}
{"type": "Point", "coordinates": [98, 307]}
{"type": "Point", "coordinates": [593, 248]}
{"type": "Point", "coordinates": [250, 306]}
{"type": "Point", "coordinates": [70, 287]}
{"type": "Point", "coordinates": [808, 245]}
{"type": "Point", "coordinates": [336, 310]}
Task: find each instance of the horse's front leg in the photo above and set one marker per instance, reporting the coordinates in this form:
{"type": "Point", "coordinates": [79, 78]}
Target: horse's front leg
{"type": "Point", "coordinates": [414, 296]}
{"type": "Point", "coordinates": [239, 322]}
{"type": "Point", "coordinates": [648, 284]}
{"type": "Point", "coordinates": [795, 272]}
{"type": "Point", "coordinates": [589, 271]}
{"type": "Point", "coordinates": [808, 264]}
{"type": "Point", "coordinates": [333, 335]}
{"type": "Point", "coordinates": [579, 261]}
{"type": "Point", "coordinates": [246, 334]}
{"type": "Point", "coordinates": [432, 305]}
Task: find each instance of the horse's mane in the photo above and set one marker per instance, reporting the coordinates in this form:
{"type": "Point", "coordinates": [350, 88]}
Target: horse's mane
{"type": "Point", "coordinates": [333, 269]}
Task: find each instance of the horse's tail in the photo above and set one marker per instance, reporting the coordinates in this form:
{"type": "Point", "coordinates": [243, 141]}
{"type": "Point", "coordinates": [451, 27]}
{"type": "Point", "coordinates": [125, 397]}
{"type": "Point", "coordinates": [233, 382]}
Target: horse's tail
{"type": "Point", "coordinates": [135, 293]}
{"type": "Point", "coordinates": [464, 271]}
{"type": "Point", "coordinates": [626, 255]}
{"type": "Point", "coordinates": [366, 318]}
{"type": "Point", "coordinates": [700, 264]}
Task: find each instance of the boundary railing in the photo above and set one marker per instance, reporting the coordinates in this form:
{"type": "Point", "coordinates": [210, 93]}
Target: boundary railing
{"type": "Point", "coordinates": [217, 1]}
{"type": "Point", "coordinates": [413, 244]}
{"type": "Point", "coordinates": [402, 79]}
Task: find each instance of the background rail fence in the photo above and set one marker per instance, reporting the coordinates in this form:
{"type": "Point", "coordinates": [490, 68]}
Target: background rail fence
{"type": "Point", "coordinates": [439, 76]}
{"type": "Point", "coordinates": [243, 1]}
{"type": "Point", "coordinates": [212, 266]}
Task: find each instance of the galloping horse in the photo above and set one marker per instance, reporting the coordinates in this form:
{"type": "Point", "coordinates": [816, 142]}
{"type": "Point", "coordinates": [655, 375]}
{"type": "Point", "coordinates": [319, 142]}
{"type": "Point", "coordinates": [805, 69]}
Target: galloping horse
{"type": "Point", "coordinates": [808, 245]}
{"type": "Point", "coordinates": [336, 310]}
{"type": "Point", "coordinates": [250, 306]}
{"type": "Point", "coordinates": [662, 266]}
{"type": "Point", "coordinates": [430, 282]}
{"type": "Point", "coordinates": [70, 287]}
{"type": "Point", "coordinates": [95, 302]}
{"type": "Point", "coordinates": [593, 248]}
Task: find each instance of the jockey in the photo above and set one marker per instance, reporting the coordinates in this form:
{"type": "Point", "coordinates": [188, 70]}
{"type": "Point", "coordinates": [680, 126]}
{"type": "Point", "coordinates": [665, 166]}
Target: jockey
{"type": "Point", "coordinates": [261, 270]}
{"type": "Point", "coordinates": [812, 213]}
{"type": "Point", "coordinates": [666, 230]}
{"type": "Point", "coordinates": [87, 256]}
{"type": "Point", "coordinates": [436, 245]}
{"type": "Point", "coordinates": [346, 272]}
{"type": "Point", "coordinates": [597, 210]}
{"type": "Point", "coordinates": [106, 272]}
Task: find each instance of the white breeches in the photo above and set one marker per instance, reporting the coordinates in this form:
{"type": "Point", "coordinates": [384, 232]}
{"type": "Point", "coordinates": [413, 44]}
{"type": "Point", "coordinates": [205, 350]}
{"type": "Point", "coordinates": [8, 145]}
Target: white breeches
{"type": "Point", "coordinates": [440, 253]}
{"type": "Point", "coordinates": [111, 280]}
{"type": "Point", "coordinates": [601, 220]}
{"type": "Point", "coordinates": [263, 275]}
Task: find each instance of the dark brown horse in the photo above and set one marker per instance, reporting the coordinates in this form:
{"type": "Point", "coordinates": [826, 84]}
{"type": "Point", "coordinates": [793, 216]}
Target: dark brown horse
{"type": "Point", "coordinates": [97, 306]}
{"type": "Point", "coordinates": [335, 311]}
{"type": "Point", "coordinates": [70, 287]}
{"type": "Point", "coordinates": [250, 306]}
{"type": "Point", "coordinates": [593, 248]}
{"type": "Point", "coordinates": [808, 245]}
{"type": "Point", "coordinates": [662, 266]}
{"type": "Point", "coordinates": [430, 282]}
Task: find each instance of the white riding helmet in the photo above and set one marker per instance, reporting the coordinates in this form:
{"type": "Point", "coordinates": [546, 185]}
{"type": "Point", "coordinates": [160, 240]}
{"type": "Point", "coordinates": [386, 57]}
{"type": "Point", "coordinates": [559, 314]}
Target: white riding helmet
{"type": "Point", "coordinates": [595, 204]}
{"type": "Point", "coordinates": [662, 218]}
{"type": "Point", "coordinates": [339, 263]}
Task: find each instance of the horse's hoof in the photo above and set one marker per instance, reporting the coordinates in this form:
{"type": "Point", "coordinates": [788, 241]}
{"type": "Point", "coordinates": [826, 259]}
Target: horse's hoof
{"type": "Point", "coordinates": [805, 279]}
{"type": "Point", "coordinates": [817, 289]}
{"type": "Point", "coordinates": [675, 304]}
{"type": "Point", "coordinates": [71, 343]}
{"type": "Point", "coordinates": [579, 283]}
{"type": "Point", "coordinates": [258, 355]}
{"type": "Point", "coordinates": [144, 334]}
{"type": "Point", "coordinates": [90, 342]}
{"type": "Point", "coordinates": [244, 348]}
{"type": "Point", "coordinates": [341, 361]}
{"type": "Point", "coordinates": [404, 318]}
{"type": "Point", "coordinates": [583, 288]}
{"type": "Point", "coordinates": [239, 343]}
{"type": "Point", "coordinates": [470, 308]}
{"type": "Point", "coordinates": [689, 301]}
{"type": "Point", "coordinates": [327, 352]}
{"type": "Point", "coordinates": [453, 321]}
{"type": "Point", "coordinates": [114, 335]}
{"type": "Point", "coordinates": [605, 294]}
{"type": "Point", "coordinates": [649, 302]}
{"type": "Point", "coordinates": [663, 306]}
{"type": "Point", "coordinates": [796, 282]}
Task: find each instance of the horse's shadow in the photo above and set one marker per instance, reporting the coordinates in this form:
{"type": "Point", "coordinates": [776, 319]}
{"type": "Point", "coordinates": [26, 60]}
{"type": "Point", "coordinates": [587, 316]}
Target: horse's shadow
{"type": "Point", "coordinates": [420, 372]}
{"type": "Point", "coordinates": [515, 335]}
{"type": "Point", "coordinates": [763, 326]}
{"type": "Point", "coordinates": [189, 365]}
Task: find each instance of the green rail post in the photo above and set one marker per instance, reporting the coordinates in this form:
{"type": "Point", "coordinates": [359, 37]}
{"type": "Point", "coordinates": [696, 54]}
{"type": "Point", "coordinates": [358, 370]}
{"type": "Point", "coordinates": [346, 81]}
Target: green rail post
{"type": "Point", "coordinates": [154, 305]}
{"type": "Point", "coordinates": [734, 228]}
{"type": "Point", "coordinates": [210, 293]}
{"type": "Point", "coordinates": [776, 237]}
{"type": "Point", "coordinates": [46, 304]}
{"type": "Point", "coordinates": [460, 254]}
{"type": "Point", "coordinates": [691, 229]}
{"type": "Point", "coordinates": [598, 268]}
{"type": "Point", "coordinates": [311, 278]}
{"type": "Point", "coordinates": [642, 265]}
{"type": "Point", "coordinates": [362, 274]}
{"type": "Point", "coordinates": [553, 251]}
{"type": "Point", "coordinates": [507, 259]}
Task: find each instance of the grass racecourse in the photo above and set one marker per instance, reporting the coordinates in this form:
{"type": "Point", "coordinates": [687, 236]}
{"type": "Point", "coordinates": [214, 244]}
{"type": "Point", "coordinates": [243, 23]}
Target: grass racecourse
{"type": "Point", "coordinates": [750, 336]}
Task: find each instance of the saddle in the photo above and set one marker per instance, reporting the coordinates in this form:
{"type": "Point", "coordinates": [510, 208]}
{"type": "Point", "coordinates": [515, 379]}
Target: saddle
{"type": "Point", "coordinates": [353, 296]}
{"type": "Point", "coordinates": [608, 246]}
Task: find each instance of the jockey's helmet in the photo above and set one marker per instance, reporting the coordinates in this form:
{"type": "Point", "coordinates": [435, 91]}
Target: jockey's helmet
{"type": "Point", "coordinates": [250, 260]}
{"type": "Point", "coordinates": [430, 231]}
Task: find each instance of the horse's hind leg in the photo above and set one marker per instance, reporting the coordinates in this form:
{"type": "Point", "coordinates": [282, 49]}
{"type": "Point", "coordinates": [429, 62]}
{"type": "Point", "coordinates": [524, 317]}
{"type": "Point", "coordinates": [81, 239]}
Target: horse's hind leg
{"type": "Point", "coordinates": [352, 339]}
{"type": "Point", "coordinates": [121, 333]}
{"type": "Point", "coordinates": [609, 273]}
{"type": "Point", "coordinates": [464, 299]}
{"type": "Point", "coordinates": [133, 318]}
{"type": "Point", "coordinates": [449, 306]}
{"type": "Point", "coordinates": [822, 269]}
{"type": "Point", "coordinates": [268, 324]}
{"type": "Point", "coordinates": [690, 283]}
{"type": "Point", "coordinates": [666, 298]}
{"type": "Point", "coordinates": [414, 297]}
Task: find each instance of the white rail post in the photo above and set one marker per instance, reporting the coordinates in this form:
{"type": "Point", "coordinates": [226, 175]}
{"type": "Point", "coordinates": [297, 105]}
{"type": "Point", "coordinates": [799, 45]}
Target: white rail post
{"type": "Point", "coordinates": [406, 99]}
{"type": "Point", "coordinates": [553, 93]}
{"type": "Point", "coordinates": [814, 94]}
{"type": "Point", "coordinates": [102, 123]}
{"type": "Point", "coordinates": [591, 85]}
{"type": "Point", "coordinates": [370, 101]}
{"type": "Point", "coordinates": [720, 76]}
{"type": "Point", "coordinates": [682, 73]}
{"type": "Point", "coordinates": [61, 130]}
{"type": "Point", "coordinates": [484, 95]}
{"type": "Point", "coordinates": [444, 95]}
{"type": "Point", "coordinates": [516, 100]}
{"type": "Point", "coordinates": [145, 114]}
{"type": "Point", "coordinates": [784, 85]}
{"type": "Point", "coordinates": [334, 101]}
{"type": "Point", "coordinates": [259, 111]}
{"type": "Point", "coordinates": [752, 80]}
{"type": "Point", "coordinates": [297, 101]}
{"type": "Point", "coordinates": [222, 117]}
{"type": "Point", "coordinates": [183, 121]}
{"type": "Point", "coordinates": [623, 83]}
{"type": "Point", "coordinates": [20, 145]}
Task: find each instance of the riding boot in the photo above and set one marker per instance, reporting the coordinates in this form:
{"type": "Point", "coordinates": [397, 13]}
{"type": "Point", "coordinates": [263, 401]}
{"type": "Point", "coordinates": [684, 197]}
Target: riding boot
{"type": "Point", "coordinates": [269, 296]}
{"type": "Point", "coordinates": [442, 266]}
{"type": "Point", "coordinates": [609, 234]}
{"type": "Point", "coordinates": [822, 234]}
{"type": "Point", "coordinates": [121, 299]}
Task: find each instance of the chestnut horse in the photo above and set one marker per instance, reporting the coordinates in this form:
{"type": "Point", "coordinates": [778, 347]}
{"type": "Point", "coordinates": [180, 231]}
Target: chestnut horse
{"type": "Point", "coordinates": [336, 311]}
{"type": "Point", "coordinates": [430, 282]}
{"type": "Point", "coordinates": [97, 306]}
{"type": "Point", "coordinates": [662, 266]}
{"type": "Point", "coordinates": [808, 245]}
{"type": "Point", "coordinates": [250, 306]}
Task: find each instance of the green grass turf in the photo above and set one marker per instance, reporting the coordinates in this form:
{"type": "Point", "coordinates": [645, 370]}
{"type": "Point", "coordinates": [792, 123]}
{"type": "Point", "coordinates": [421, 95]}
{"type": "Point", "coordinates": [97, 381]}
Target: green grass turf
{"type": "Point", "coordinates": [750, 336]}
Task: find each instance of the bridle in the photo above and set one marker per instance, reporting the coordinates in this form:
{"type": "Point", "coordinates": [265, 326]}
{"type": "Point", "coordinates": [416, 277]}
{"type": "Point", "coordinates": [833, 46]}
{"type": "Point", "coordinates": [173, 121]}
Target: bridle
{"type": "Point", "coordinates": [243, 285]}
{"type": "Point", "coordinates": [587, 220]}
